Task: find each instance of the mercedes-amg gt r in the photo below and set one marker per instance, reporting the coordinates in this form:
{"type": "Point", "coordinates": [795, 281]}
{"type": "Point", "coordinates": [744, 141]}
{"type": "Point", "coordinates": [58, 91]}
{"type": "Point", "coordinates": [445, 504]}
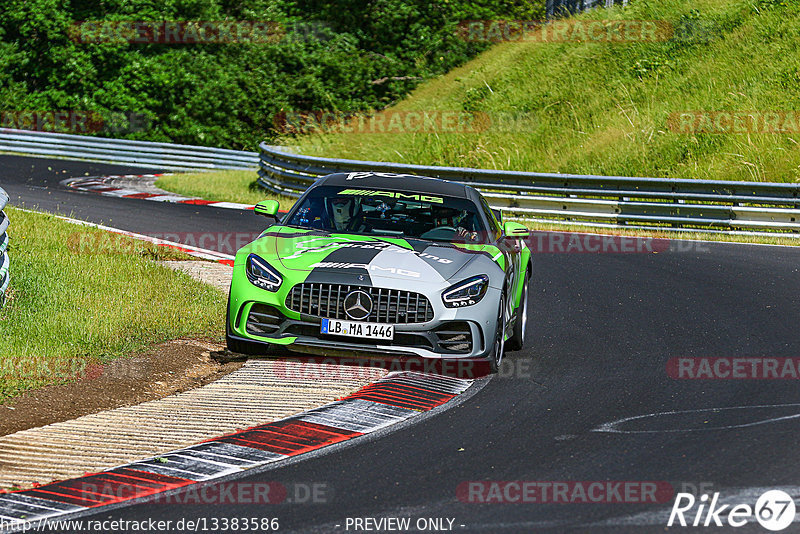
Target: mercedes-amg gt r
{"type": "Point", "coordinates": [385, 265]}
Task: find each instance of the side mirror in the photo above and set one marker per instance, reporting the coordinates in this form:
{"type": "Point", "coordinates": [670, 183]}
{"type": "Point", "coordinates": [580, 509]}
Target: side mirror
{"type": "Point", "coordinates": [267, 208]}
{"type": "Point", "coordinates": [515, 230]}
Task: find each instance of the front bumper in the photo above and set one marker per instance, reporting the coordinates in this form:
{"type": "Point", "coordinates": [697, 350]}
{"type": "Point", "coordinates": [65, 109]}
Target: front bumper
{"type": "Point", "coordinates": [260, 316]}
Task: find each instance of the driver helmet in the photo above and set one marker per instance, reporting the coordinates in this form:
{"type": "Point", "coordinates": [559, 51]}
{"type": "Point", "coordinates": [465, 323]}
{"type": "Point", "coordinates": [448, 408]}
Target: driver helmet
{"type": "Point", "coordinates": [445, 216]}
{"type": "Point", "coordinates": [342, 211]}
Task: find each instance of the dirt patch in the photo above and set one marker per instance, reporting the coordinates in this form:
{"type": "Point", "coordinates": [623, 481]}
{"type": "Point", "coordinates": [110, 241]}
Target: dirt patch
{"type": "Point", "coordinates": [168, 368]}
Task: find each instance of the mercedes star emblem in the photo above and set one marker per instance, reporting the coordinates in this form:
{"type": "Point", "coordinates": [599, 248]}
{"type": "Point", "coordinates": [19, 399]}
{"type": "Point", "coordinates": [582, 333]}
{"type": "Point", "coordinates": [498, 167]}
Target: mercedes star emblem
{"type": "Point", "coordinates": [358, 305]}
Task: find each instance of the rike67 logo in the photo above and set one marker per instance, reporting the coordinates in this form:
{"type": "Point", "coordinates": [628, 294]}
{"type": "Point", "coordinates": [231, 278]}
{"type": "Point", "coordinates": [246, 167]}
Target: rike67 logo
{"type": "Point", "coordinates": [774, 510]}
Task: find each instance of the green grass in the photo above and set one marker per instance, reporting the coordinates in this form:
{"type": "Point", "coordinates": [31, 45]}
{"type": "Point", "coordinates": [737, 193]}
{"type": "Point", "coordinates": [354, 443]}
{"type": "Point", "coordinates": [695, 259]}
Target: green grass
{"type": "Point", "coordinates": [221, 186]}
{"type": "Point", "coordinates": [600, 108]}
{"type": "Point", "coordinates": [81, 296]}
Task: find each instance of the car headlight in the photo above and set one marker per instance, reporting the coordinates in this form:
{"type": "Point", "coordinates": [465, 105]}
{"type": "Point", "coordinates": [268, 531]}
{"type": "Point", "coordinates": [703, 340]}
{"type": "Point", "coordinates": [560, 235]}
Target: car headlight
{"type": "Point", "coordinates": [261, 274]}
{"type": "Point", "coordinates": [466, 293]}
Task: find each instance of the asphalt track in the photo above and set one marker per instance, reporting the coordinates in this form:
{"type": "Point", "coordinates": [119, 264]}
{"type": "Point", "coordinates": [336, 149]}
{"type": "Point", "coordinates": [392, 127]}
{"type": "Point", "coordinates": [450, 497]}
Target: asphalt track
{"type": "Point", "coordinates": [34, 183]}
{"type": "Point", "coordinates": [602, 329]}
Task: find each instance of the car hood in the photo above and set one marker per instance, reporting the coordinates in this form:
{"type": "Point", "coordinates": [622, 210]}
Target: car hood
{"type": "Point", "coordinates": [347, 257]}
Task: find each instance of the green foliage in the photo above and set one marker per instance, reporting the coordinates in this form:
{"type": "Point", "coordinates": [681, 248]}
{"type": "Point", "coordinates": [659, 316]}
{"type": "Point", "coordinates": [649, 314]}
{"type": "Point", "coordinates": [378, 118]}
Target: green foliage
{"type": "Point", "coordinates": [345, 55]}
{"type": "Point", "coordinates": [604, 107]}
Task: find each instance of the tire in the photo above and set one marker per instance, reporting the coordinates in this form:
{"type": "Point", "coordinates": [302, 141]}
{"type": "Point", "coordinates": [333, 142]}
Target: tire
{"type": "Point", "coordinates": [517, 339]}
{"type": "Point", "coordinates": [496, 358]}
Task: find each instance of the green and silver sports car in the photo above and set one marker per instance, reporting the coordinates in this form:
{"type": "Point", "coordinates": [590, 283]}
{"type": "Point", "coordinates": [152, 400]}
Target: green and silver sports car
{"type": "Point", "coordinates": [386, 265]}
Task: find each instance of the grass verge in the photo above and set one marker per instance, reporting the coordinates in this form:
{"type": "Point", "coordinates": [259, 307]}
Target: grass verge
{"type": "Point", "coordinates": [221, 186]}
{"type": "Point", "coordinates": [80, 297]}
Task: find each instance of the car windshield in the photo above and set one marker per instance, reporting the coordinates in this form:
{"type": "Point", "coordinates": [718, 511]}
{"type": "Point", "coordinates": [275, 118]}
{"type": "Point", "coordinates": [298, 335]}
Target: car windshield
{"type": "Point", "coordinates": [389, 213]}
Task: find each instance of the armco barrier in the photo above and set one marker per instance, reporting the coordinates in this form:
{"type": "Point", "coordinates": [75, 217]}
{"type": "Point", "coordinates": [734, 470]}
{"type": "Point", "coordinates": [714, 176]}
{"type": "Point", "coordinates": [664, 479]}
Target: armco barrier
{"type": "Point", "coordinates": [710, 205]}
{"type": "Point", "coordinates": [5, 272]}
{"type": "Point", "coordinates": [135, 153]}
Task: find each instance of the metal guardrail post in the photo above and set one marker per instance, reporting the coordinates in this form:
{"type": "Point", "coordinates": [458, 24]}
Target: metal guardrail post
{"type": "Point", "coordinates": [5, 266]}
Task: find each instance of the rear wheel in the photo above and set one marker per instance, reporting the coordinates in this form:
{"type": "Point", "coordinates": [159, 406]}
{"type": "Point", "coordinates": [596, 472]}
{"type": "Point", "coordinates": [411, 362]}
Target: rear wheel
{"type": "Point", "coordinates": [517, 339]}
{"type": "Point", "coordinates": [499, 339]}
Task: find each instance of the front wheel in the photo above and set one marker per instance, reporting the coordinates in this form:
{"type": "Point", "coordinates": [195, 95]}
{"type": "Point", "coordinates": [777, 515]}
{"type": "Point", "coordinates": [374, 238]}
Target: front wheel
{"type": "Point", "coordinates": [496, 357]}
{"type": "Point", "coordinates": [517, 339]}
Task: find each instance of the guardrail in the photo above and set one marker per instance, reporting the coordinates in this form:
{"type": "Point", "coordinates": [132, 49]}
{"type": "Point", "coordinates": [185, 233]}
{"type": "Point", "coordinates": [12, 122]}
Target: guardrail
{"type": "Point", "coordinates": [5, 273]}
{"type": "Point", "coordinates": [144, 154]}
{"type": "Point", "coordinates": [706, 205]}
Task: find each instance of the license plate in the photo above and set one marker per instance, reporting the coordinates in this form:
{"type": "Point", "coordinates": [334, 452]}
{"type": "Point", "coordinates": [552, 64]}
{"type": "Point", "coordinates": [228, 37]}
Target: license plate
{"type": "Point", "coordinates": [357, 329]}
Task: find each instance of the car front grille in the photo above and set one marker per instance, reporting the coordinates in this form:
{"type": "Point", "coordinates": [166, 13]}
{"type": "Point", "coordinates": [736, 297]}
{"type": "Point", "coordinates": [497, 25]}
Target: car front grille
{"type": "Point", "coordinates": [391, 306]}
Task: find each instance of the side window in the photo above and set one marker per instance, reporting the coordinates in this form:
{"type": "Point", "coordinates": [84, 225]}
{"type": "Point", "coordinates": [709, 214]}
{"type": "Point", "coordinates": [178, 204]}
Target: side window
{"type": "Point", "coordinates": [494, 225]}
